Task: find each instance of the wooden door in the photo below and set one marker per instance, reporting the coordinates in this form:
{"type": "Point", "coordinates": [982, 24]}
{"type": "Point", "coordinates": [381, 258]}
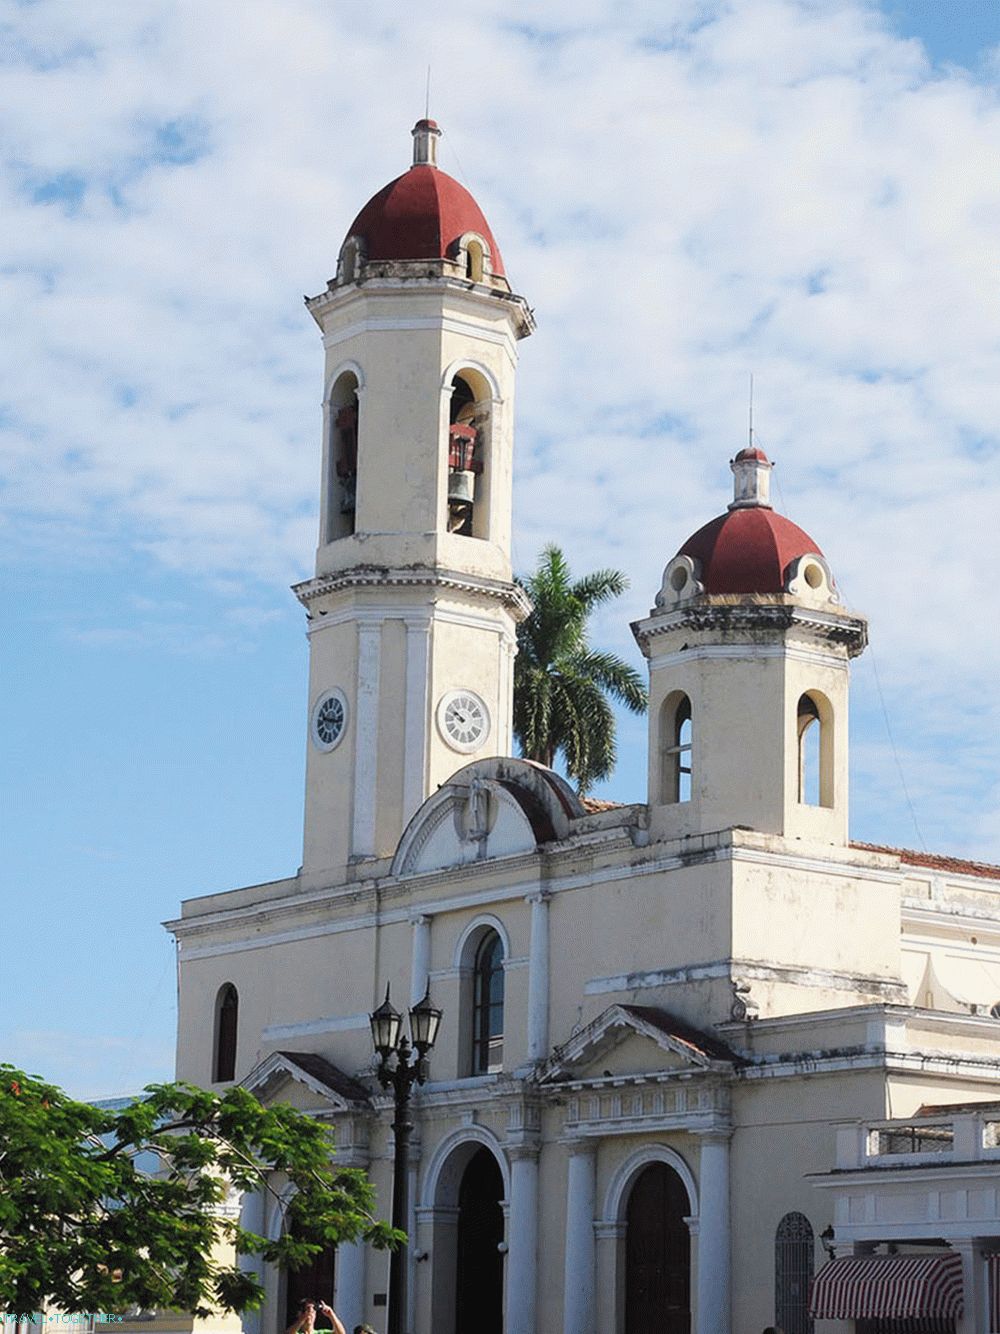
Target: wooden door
{"type": "Point", "coordinates": [479, 1286]}
{"type": "Point", "coordinates": [657, 1254]}
{"type": "Point", "coordinates": [315, 1280]}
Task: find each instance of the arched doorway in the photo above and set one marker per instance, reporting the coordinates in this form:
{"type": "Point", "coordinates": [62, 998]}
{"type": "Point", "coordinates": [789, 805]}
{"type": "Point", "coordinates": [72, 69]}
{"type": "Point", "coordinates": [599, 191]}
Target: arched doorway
{"type": "Point", "coordinates": [479, 1267]}
{"type": "Point", "coordinates": [657, 1254]}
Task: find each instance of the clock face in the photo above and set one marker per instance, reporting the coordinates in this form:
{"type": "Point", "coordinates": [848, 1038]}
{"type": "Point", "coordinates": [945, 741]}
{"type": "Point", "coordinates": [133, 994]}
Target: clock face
{"type": "Point", "coordinates": [329, 718]}
{"type": "Point", "coordinates": [463, 720]}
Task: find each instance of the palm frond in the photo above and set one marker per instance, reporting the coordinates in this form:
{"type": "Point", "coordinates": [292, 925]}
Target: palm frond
{"type": "Point", "coordinates": [561, 685]}
{"type": "Point", "coordinates": [601, 586]}
{"type": "Point", "coordinates": [617, 677]}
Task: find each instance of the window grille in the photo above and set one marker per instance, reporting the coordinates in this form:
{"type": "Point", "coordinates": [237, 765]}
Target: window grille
{"type": "Point", "coordinates": [793, 1270]}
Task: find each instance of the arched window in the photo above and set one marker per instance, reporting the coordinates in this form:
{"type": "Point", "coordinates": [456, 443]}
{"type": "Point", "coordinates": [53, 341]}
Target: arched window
{"type": "Point", "coordinates": [468, 454]}
{"type": "Point", "coordinates": [814, 723]}
{"type": "Point", "coordinates": [342, 485]}
{"type": "Point", "coordinates": [793, 1270]}
{"type": "Point", "coordinates": [487, 1005]}
{"type": "Point", "coordinates": [677, 740]}
{"type": "Point", "coordinates": [227, 1008]}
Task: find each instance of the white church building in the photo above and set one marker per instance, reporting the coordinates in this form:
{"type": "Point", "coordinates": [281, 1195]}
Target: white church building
{"type": "Point", "coordinates": [706, 1065]}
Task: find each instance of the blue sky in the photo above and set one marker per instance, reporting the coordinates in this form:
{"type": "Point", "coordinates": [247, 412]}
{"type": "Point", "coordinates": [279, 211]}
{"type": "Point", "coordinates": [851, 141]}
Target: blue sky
{"type": "Point", "coordinates": [803, 190]}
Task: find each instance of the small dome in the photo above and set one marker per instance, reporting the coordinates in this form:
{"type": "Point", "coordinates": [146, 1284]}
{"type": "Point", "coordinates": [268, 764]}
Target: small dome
{"type": "Point", "coordinates": [751, 452]}
{"type": "Point", "coordinates": [747, 550]}
{"type": "Point", "coordinates": [422, 214]}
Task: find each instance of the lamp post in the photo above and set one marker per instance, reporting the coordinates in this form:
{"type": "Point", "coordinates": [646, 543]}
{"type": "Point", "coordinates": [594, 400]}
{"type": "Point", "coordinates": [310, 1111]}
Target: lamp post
{"type": "Point", "coordinates": [400, 1066]}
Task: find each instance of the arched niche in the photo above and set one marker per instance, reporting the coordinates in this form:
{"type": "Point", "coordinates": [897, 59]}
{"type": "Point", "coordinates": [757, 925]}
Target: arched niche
{"type": "Point", "coordinates": [475, 257]}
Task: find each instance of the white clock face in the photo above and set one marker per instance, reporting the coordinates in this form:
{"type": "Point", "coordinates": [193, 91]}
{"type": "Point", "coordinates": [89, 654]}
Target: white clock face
{"type": "Point", "coordinates": [329, 719]}
{"type": "Point", "coordinates": [463, 720]}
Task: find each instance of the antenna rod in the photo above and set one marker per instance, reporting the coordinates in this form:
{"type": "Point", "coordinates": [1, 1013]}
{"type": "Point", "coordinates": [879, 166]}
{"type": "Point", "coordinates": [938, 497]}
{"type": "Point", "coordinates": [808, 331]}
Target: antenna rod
{"type": "Point", "coordinates": [427, 100]}
{"type": "Point", "coordinates": [751, 409]}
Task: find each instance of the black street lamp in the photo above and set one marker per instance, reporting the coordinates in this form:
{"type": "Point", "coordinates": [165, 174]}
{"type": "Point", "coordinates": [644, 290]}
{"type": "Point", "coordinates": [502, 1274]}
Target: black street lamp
{"type": "Point", "coordinates": [400, 1074]}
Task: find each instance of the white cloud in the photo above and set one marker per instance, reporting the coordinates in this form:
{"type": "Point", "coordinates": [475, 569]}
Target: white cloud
{"type": "Point", "coordinates": [684, 196]}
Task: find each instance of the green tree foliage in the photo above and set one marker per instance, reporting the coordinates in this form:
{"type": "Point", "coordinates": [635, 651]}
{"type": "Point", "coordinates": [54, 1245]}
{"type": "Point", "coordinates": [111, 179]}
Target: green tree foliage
{"type": "Point", "coordinates": [562, 686]}
{"type": "Point", "coordinates": [84, 1228]}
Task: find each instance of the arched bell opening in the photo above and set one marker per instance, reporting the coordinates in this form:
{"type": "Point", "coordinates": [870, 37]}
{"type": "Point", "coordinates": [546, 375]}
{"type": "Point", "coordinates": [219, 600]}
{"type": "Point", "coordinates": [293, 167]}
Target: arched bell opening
{"type": "Point", "coordinates": [469, 431]}
{"type": "Point", "coordinates": [814, 731]}
{"type": "Point", "coordinates": [657, 1253]}
{"type": "Point", "coordinates": [342, 478]}
{"type": "Point", "coordinates": [676, 748]}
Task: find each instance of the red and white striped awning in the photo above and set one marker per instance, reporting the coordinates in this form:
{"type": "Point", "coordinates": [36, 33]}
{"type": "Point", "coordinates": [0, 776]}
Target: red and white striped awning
{"type": "Point", "coordinates": [993, 1263]}
{"type": "Point", "coordinates": [895, 1287]}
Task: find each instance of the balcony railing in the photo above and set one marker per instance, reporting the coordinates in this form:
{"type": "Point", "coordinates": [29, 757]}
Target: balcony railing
{"type": "Point", "coordinates": [966, 1136]}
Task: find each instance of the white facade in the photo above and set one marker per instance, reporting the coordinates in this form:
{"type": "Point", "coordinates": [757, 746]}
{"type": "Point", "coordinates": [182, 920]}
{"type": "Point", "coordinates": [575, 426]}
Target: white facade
{"type": "Point", "coordinates": [700, 994]}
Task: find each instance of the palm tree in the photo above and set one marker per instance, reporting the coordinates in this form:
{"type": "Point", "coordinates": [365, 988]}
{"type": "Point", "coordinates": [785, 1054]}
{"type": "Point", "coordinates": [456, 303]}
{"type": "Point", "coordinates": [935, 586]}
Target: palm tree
{"type": "Point", "coordinates": [562, 685]}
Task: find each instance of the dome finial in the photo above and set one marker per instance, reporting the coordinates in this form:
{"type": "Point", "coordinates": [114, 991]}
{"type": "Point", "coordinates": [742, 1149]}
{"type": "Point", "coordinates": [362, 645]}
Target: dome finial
{"type": "Point", "coordinates": [751, 479]}
{"type": "Point", "coordinates": [426, 133]}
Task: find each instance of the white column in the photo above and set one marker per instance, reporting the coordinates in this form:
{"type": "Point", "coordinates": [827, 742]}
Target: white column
{"type": "Point", "coordinates": [350, 1283]}
{"type": "Point", "coordinates": [252, 1220]}
{"type": "Point", "coordinates": [580, 1287]}
{"type": "Point", "coordinates": [522, 1240]}
{"type": "Point", "coordinates": [366, 740]}
{"type": "Point", "coordinates": [538, 978]}
{"type": "Point", "coordinates": [714, 1244]}
{"type": "Point", "coordinates": [415, 718]}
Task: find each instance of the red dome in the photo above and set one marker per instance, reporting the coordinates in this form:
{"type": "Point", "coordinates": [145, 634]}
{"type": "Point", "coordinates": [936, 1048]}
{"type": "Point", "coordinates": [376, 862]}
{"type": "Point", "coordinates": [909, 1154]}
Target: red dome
{"type": "Point", "coordinates": [751, 452]}
{"type": "Point", "coordinates": [747, 550]}
{"type": "Point", "coordinates": [421, 215]}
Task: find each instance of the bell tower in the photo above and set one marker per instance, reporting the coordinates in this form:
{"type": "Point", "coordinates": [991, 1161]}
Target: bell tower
{"type": "Point", "coordinates": [749, 653]}
{"type": "Point", "coordinates": [412, 611]}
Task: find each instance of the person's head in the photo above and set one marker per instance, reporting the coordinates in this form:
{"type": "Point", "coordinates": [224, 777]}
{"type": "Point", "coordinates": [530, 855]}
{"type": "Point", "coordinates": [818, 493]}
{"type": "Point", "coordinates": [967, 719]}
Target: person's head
{"type": "Point", "coordinates": [363, 1329]}
{"type": "Point", "coordinates": [306, 1305]}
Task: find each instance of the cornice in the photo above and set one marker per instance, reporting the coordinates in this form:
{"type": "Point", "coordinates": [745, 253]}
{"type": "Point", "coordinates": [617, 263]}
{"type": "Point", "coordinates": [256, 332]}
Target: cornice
{"type": "Point", "coordinates": [913, 1172]}
{"type": "Point", "coordinates": [523, 873]}
{"type": "Point", "coordinates": [511, 595]}
{"type": "Point", "coordinates": [388, 279]}
{"type": "Point", "coordinates": [753, 614]}
{"type": "Point", "coordinates": [957, 1065]}
{"type": "Point", "coordinates": [957, 919]}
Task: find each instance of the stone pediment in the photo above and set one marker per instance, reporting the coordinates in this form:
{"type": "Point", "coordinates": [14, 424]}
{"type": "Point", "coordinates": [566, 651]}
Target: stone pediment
{"type": "Point", "coordinates": [626, 1041]}
{"type": "Point", "coordinates": [492, 808]}
{"type": "Point", "coordinates": [305, 1081]}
